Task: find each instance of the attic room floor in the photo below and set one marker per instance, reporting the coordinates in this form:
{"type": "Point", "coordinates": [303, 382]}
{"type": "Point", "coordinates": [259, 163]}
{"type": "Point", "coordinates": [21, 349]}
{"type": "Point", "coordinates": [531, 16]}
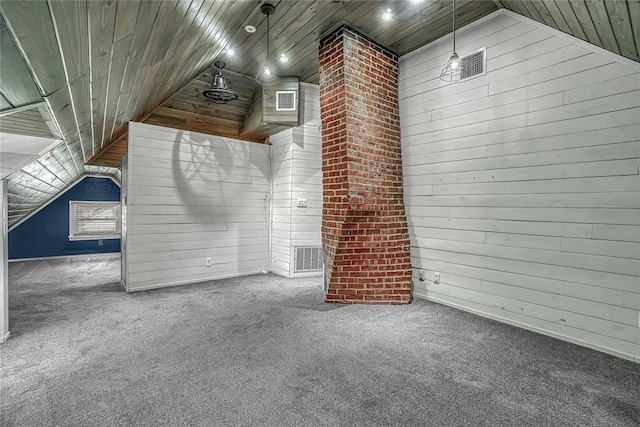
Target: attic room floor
{"type": "Point", "coordinates": [264, 350]}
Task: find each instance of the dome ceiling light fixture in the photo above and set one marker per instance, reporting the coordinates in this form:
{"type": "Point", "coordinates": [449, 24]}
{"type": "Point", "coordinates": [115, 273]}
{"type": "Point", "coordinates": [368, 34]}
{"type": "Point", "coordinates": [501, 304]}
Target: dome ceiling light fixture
{"type": "Point", "coordinates": [267, 74]}
{"type": "Point", "coordinates": [454, 69]}
{"type": "Point", "coordinates": [220, 93]}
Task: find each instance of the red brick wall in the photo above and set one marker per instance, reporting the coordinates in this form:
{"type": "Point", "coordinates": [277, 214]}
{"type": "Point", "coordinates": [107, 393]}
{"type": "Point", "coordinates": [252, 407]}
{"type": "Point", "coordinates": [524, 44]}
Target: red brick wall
{"type": "Point", "coordinates": [364, 227]}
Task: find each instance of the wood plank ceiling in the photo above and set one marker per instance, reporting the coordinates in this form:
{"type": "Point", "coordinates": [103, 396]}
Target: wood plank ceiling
{"type": "Point", "coordinates": [100, 64]}
{"type": "Point", "coordinates": [296, 27]}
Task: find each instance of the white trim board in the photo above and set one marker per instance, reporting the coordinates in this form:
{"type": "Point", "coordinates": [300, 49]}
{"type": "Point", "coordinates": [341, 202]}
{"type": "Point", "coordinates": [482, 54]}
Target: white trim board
{"type": "Point", "coordinates": [33, 157]}
{"type": "Point", "coordinates": [596, 49]}
{"type": "Point", "coordinates": [100, 255]}
{"type": "Point", "coordinates": [54, 198]}
{"type": "Point", "coordinates": [189, 282]}
{"type": "Point", "coordinates": [418, 294]}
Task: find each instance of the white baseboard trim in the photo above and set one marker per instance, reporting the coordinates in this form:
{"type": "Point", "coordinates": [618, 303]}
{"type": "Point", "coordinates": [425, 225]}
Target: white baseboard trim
{"type": "Point", "coordinates": [309, 274]}
{"type": "Point", "coordinates": [188, 282]}
{"type": "Point", "coordinates": [5, 337]}
{"type": "Point", "coordinates": [619, 354]}
{"type": "Point", "coordinates": [280, 272]}
{"type": "Point", "coordinates": [100, 255]}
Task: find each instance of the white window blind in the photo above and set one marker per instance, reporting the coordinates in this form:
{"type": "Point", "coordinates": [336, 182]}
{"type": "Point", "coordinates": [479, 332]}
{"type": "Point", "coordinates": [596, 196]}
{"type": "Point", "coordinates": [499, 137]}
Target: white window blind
{"type": "Point", "coordinates": [94, 220]}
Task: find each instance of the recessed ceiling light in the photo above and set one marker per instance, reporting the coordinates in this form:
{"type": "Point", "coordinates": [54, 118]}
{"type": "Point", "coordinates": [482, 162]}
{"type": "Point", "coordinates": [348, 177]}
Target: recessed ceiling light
{"type": "Point", "coordinates": [250, 29]}
{"type": "Point", "coordinates": [283, 58]}
{"type": "Point", "coordinates": [231, 52]}
{"type": "Point", "coordinates": [387, 15]}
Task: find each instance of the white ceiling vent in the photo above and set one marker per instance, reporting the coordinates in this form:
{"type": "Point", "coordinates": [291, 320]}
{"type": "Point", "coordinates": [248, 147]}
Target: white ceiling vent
{"type": "Point", "coordinates": [474, 64]}
{"type": "Point", "coordinates": [285, 100]}
{"type": "Point", "coordinates": [308, 258]}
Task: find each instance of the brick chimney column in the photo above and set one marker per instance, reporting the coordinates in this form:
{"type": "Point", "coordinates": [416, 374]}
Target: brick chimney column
{"type": "Point", "coordinates": [364, 226]}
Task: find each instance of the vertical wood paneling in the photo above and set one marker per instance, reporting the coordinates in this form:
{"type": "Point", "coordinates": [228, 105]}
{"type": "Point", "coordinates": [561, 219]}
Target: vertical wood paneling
{"type": "Point", "coordinates": [584, 18]}
{"type": "Point", "coordinates": [127, 14]}
{"type": "Point", "coordinates": [193, 196]}
{"type": "Point", "coordinates": [634, 14]}
{"type": "Point", "coordinates": [569, 15]}
{"type": "Point", "coordinates": [546, 16]}
{"type": "Point", "coordinates": [117, 69]}
{"type": "Point", "coordinates": [557, 16]}
{"type": "Point", "coordinates": [142, 86]}
{"type": "Point", "coordinates": [523, 192]}
{"type": "Point", "coordinates": [102, 18]}
{"type": "Point", "coordinates": [30, 22]}
{"type": "Point", "coordinates": [143, 26]}
{"type": "Point", "coordinates": [70, 22]}
{"type": "Point", "coordinates": [17, 86]}
{"type": "Point", "coordinates": [622, 28]}
{"type": "Point", "coordinates": [600, 19]}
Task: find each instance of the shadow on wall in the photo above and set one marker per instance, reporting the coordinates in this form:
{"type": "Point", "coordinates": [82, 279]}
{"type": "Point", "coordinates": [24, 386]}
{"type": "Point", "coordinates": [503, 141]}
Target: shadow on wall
{"type": "Point", "coordinates": [206, 167]}
{"type": "Point", "coordinates": [195, 159]}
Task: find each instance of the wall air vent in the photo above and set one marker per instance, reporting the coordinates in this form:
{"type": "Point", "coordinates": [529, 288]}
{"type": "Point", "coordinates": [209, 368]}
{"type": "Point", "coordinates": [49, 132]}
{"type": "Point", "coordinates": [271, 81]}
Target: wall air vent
{"type": "Point", "coordinates": [308, 258]}
{"type": "Point", "coordinates": [473, 64]}
{"type": "Point", "coordinates": [285, 100]}
{"type": "Point", "coordinates": [281, 102]}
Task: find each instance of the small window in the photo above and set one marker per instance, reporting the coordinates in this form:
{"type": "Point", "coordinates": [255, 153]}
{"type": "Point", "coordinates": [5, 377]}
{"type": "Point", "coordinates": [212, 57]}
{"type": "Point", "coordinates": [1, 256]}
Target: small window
{"type": "Point", "coordinates": [94, 220]}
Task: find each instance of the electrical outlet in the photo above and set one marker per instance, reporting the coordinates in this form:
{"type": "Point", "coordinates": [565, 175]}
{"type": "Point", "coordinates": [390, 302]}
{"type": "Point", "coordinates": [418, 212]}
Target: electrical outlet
{"type": "Point", "coordinates": [209, 262]}
{"type": "Point", "coordinates": [436, 277]}
{"type": "Point", "coordinates": [303, 203]}
{"type": "Point", "coordinates": [421, 276]}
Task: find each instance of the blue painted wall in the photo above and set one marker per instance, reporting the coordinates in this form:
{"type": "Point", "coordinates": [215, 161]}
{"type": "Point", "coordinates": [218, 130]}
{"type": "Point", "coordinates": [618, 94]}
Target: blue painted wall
{"type": "Point", "coordinates": [46, 234]}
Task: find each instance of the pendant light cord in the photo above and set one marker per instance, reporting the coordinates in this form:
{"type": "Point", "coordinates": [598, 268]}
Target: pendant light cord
{"type": "Point", "coordinates": [268, 14]}
{"type": "Point", "coordinates": [454, 26]}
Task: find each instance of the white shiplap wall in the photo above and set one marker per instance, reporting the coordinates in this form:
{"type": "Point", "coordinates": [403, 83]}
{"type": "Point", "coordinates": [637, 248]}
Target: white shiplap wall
{"type": "Point", "coordinates": [297, 174]}
{"type": "Point", "coordinates": [282, 172]}
{"type": "Point", "coordinates": [522, 185]}
{"type": "Point", "coordinates": [191, 196]}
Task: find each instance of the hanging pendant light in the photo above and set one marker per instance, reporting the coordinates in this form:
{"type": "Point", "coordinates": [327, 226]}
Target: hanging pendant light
{"type": "Point", "coordinates": [267, 74]}
{"type": "Point", "coordinates": [454, 69]}
{"type": "Point", "coordinates": [220, 93]}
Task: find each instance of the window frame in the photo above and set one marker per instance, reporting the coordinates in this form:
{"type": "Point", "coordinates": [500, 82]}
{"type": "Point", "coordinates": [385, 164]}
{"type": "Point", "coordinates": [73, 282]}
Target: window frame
{"type": "Point", "coordinates": [75, 237]}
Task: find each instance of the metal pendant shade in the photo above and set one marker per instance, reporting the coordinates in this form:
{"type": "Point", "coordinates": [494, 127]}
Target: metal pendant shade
{"type": "Point", "coordinates": [220, 94]}
{"type": "Point", "coordinates": [267, 74]}
{"type": "Point", "coordinates": [454, 69]}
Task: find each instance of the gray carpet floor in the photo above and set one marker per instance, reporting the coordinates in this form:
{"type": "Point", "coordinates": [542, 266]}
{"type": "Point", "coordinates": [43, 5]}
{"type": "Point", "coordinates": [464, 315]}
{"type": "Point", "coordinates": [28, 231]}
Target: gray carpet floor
{"type": "Point", "coordinates": [264, 350]}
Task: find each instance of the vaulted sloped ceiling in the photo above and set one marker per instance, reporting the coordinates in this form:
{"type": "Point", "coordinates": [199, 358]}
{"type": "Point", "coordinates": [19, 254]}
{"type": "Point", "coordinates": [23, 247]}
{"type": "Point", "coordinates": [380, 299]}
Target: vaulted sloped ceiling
{"type": "Point", "coordinates": [99, 64]}
{"type": "Point", "coordinates": [610, 24]}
